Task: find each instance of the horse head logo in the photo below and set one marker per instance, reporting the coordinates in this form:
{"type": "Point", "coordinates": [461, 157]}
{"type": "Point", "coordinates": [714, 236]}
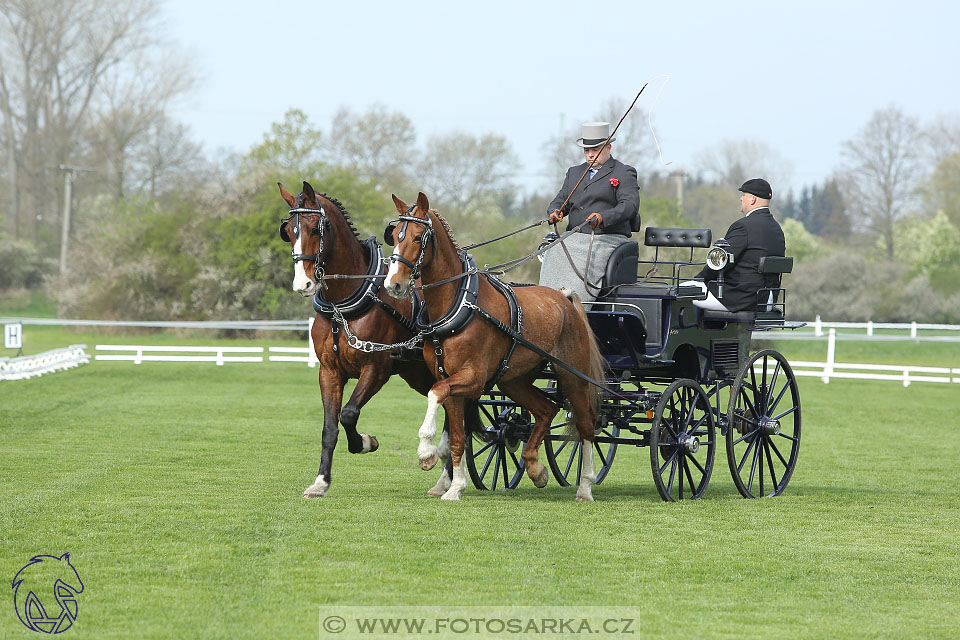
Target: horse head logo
{"type": "Point", "coordinates": [45, 593]}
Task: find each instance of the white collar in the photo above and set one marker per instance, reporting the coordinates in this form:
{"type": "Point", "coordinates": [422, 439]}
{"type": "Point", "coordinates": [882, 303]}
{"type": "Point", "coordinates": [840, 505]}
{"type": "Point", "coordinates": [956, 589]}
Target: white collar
{"type": "Point", "coordinates": [752, 210]}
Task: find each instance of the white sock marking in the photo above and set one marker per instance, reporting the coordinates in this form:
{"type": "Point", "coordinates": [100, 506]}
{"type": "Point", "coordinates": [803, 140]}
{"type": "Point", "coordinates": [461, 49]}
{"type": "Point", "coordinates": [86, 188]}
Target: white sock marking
{"type": "Point", "coordinates": [428, 430]}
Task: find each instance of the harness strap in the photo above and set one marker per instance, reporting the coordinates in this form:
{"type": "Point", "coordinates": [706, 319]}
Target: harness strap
{"type": "Point", "coordinates": [335, 330]}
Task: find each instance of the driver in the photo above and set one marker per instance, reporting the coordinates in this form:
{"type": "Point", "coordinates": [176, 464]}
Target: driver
{"type": "Point", "coordinates": [608, 198]}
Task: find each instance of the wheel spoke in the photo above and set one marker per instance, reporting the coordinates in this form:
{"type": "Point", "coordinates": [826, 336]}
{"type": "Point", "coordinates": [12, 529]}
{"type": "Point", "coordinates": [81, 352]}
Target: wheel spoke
{"type": "Point", "coordinates": [745, 436]}
{"type": "Point", "coordinates": [773, 446]}
{"type": "Point", "coordinates": [666, 462]}
{"type": "Point", "coordinates": [496, 470]}
{"type": "Point", "coordinates": [673, 472]}
{"type": "Point", "coordinates": [560, 448]}
{"type": "Point", "coordinates": [486, 465]}
{"type": "Point", "coordinates": [773, 475]}
{"type": "Point", "coordinates": [753, 465]}
{"type": "Point", "coordinates": [773, 406]}
{"type": "Point", "coordinates": [573, 454]}
{"type": "Point", "coordinates": [748, 403]}
{"type": "Point", "coordinates": [745, 453]}
{"type": "Point", "coordinates": [697, 463]}
{"type": "Point", "coordinates": [786, 413]}
{"type": "Point", "coordinates": [476, 454]}
{"type": "Point", "coordinates": [603, 459]}
{"type": "Point", "coordinates": [686, 468]}
{"type": "Point", "coordinates": [788, 437]}
{"type": "Point", "coordinates": [506, 473]}
{"type": "Point", "coordinates": [773, 378]}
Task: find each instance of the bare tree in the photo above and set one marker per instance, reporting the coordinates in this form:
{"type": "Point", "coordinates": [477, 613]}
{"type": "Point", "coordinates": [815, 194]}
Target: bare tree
{"type": "Point", "coordinates": [943, 136]}
{"type": "Point", "coordinates": [731, 162]}
{"type": "Point", "coordinates": [882, 170]}
{"type": "Point", "coordinates": [53, 57]}
{"type": "Point", "coordinates": [376, 144]}
{"type": "Point", "coordinates": [467, 173]}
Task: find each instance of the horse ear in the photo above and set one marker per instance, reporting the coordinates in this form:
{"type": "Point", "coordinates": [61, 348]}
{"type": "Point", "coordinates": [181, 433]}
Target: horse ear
{"type": "Point", "coordinates": [287, 196]}
{"type": "Point", "coordinates": [400, 204]}
{"type": "Point", "coordinates": [308, 191]}
{"type": "Point", "coordinates": [422, 203]}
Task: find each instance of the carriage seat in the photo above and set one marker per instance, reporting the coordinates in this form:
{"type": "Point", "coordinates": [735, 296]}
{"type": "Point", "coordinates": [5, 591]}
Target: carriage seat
{"type": "Point", "coordinates": [768, 311]}
{"type": "Point", "coordinates": [621, 267]}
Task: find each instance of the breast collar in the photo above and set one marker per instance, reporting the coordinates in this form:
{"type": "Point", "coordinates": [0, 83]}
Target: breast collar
{"type": "Point", "coordinates": [462, 310]}
{"type": "Point", "coordinates": [360, 301]}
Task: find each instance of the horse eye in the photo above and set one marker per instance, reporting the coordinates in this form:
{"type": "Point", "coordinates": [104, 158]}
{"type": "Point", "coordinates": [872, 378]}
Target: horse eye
{"type": "Point", "coordinates": [315, 231]}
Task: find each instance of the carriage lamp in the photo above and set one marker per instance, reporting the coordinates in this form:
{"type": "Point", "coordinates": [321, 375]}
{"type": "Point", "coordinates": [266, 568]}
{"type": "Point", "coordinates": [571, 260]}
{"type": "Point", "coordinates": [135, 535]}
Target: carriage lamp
{"type": "Point", "coordinates": [719, 257]}
{"type": "Point", "coordinates": [547, 239]}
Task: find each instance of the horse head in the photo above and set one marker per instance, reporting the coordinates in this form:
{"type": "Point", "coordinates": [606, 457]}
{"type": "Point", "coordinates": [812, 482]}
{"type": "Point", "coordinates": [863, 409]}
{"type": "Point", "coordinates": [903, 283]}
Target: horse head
{"type": "Point", "coordinates": [410, 234]}
{"type": "Point", "coordinates": [308, 230]}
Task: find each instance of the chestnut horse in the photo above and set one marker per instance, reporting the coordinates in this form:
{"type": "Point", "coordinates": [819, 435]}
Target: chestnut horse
{"type": "Point", "coordinates": [474, 353]}
{"type": "Point", "coordinates": [325, 241]}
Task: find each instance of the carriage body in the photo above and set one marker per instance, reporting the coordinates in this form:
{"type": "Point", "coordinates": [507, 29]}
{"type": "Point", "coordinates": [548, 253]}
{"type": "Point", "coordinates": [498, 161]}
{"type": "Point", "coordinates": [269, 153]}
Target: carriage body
{"type": "Point", "coordinates": [678, 376]}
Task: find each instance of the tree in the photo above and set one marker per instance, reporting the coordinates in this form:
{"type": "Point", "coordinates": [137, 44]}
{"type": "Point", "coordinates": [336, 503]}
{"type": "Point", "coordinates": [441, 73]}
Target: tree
{"type": "Point", "coordinates": [943, 189]}
{"type": "Point", "coordinates": [377, 144]}
{"type": "Point", "coordinates": [54, 55]}
{"type": "Point", "coordinates": [881, 170]}
{"type": "Point", "coordinates": [731, 162]}
{"type": "Point", "coordinates": [466, 173]}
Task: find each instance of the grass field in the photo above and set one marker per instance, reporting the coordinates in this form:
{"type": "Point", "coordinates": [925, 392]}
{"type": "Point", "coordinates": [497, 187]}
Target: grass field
{"type": "Point", "coordinates": [176, 488]}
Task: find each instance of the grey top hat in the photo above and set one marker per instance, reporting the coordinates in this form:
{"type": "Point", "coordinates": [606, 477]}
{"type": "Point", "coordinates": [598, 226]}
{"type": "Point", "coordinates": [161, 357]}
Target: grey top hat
{"type": "Point", "coordinates": [594, 134]}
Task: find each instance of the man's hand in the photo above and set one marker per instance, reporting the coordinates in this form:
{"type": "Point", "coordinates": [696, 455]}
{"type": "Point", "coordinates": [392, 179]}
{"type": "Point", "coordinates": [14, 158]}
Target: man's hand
{"type": "Point", "coordinates": [595, 220]}
{"type": "Point", "coordinates": [555, 216]}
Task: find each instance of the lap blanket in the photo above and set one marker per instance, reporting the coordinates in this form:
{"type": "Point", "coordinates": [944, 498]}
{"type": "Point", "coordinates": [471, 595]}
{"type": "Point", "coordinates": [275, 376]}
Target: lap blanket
{"type": "Point", "coordinates": [556, 271]}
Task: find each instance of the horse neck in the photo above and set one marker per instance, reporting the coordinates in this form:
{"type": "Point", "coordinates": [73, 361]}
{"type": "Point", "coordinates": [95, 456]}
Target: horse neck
{"type": "Point", "coordinates": [445, 263]}
{"type": "Point", "coordinates": [345, 254]}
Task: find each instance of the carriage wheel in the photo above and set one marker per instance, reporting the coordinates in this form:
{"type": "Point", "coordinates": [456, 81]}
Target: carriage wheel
{"type": "Point", "coordinates": [564, 451]}
{"type": "Point", "coordinates": [493, 453]}
{"type": "Point", "coordinates": [683, 442]}
{"type": "Point", "coordinates": [763, 436]}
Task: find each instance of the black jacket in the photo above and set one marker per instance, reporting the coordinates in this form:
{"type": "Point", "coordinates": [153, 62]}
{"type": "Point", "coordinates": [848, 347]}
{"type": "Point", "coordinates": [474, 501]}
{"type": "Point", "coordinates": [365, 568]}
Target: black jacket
{"type": "Point", "coordinates": [751, 237]}
{"type": "Point", "coordinates": [613, 193]}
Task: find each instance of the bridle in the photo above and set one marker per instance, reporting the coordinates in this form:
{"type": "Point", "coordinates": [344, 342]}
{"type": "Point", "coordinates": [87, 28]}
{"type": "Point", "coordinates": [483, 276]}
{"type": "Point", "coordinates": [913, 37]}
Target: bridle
{"type": "Point", "coordinates": [295, 214]}
{"type": "Point", "coordinates": [423, 239]}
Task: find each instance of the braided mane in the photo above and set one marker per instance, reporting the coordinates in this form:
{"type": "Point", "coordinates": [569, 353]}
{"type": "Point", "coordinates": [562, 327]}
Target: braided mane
{"type": "Point", "coordinates": [346, 216]}
{"type": "Point", "coordinates": [446, 227]}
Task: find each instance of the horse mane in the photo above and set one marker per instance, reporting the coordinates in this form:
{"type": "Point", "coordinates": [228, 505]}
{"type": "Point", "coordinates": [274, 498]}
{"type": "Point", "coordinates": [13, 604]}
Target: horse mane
{"type": "Point", "coordinates": [446, 227]}
{"type": "Point", "coordinates": [346, 216]}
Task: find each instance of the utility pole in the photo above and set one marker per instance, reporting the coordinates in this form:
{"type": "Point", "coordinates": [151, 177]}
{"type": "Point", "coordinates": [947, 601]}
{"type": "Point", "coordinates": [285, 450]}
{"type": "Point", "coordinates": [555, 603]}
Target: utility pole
{"type": "Point", "coordinates": [69, 175]}
{"type": "Point", "coordinates": [678, 174]}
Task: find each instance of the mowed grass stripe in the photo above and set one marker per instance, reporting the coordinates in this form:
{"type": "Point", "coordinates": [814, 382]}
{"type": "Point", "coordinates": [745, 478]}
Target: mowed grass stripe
{"type": "Point", "coordinates": [177, 490]}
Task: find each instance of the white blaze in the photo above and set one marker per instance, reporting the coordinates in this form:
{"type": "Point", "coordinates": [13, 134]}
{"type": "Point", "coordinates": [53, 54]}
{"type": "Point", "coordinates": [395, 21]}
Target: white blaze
{"type": "Point", "coordinates": [300, 280]}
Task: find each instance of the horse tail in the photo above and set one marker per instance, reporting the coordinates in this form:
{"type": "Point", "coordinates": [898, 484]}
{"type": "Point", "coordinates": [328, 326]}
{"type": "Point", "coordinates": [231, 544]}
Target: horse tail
{"type": "Point", "coordinates": [598, 364]}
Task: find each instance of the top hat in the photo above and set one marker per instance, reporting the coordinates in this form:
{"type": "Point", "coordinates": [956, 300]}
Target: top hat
{"type": "Point", "coordinates": [594, 134]}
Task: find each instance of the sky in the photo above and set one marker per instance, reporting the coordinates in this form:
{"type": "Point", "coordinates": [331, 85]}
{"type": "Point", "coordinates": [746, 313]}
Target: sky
{"type": "Point", "coordinates": [801, 77]}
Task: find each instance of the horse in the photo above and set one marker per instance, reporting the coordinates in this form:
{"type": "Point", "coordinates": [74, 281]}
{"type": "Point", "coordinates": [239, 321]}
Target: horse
{"type": "Point", "coordinates": [324, 240]}
{"type": "Point", "coordinates": [468, 355]}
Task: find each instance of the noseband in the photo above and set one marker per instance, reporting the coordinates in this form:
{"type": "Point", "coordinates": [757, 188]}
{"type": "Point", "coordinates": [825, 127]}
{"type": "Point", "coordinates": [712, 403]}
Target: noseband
{"type": "Point", "coordinates": [295, 214]}
{"type": "Point", "coordinates": [423, 239]}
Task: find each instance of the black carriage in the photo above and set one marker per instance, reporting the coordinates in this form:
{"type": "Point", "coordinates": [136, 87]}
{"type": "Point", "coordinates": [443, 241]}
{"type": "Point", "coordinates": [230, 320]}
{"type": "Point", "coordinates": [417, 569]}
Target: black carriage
{"type": "Point", "coordinates": [679, 377]}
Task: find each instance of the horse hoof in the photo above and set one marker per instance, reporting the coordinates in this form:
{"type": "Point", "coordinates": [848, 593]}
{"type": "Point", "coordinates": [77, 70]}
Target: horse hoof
{"type": "Point", "coordinates": [429, 462]}
{"type": "Point", "coordinates": [370, 443]}
{"type": "Point", "coordinates": [315, 492]}
{"type": "Point", "coordinates": [541, 480]}
{"type": "Point", "coordinates": [374, 444]}
{"type": "Point", "coordinates": [452, 494]}
{"type": "Point", "coordinates": [584, 497]}
{"type": "Point", "coordinates": [440, 488]}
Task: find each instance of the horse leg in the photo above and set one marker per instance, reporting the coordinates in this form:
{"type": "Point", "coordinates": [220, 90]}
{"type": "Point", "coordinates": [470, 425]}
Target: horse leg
{"type": "Point", "coordinates": [444, 454]}
{"type": "Point", "coordinates": [371, 380]}
{"type": "Point", "coordinates": [578, 392]}
{"type": "Point", "coordinates": [427, 452]}
{"type": "Point", "coordinates": [524, 393]}
{"type": "Point", "coordinates": [454, 409]}
{"type": "Point", "coordinates": [331, 390]}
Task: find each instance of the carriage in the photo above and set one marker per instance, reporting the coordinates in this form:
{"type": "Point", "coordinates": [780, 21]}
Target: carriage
{"type": "Point", "coordinates": [670, 375]}
{"type": "Point", "coordinates": [679, 377]}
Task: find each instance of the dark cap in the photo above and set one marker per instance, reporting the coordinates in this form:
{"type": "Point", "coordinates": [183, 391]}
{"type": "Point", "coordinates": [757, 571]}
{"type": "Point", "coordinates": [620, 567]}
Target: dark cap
{"type": "Point", "coordinates": [757, 187]}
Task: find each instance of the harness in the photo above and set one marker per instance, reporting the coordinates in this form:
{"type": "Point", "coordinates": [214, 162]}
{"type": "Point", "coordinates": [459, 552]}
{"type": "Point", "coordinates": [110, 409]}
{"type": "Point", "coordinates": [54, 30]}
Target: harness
{"type": "Point", "coordinates": [295, 214]}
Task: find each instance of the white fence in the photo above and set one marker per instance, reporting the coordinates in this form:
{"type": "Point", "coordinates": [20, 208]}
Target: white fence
{"type": "Point", "coordinates": [38, 364]}
{"type": "Point", "coordinates": [143, 353]}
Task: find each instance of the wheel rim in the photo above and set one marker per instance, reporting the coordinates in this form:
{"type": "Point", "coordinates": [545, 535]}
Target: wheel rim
{"type": "Point", "coordinates": [683, 442]}
{"type": "Point", "coordinates": [493, 454]}
{"type": "Point", "coordinates": [763, 433]}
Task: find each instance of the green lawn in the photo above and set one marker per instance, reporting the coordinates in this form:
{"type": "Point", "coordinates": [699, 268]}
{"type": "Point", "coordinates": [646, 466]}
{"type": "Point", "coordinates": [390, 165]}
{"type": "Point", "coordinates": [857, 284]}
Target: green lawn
{"type": "Point", "coordinates": [176, 488]}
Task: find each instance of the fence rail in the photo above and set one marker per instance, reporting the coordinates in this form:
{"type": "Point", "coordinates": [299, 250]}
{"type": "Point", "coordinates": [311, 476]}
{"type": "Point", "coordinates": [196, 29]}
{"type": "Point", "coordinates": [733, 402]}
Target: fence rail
{"type": "Point", "coordinates": [143, 353]}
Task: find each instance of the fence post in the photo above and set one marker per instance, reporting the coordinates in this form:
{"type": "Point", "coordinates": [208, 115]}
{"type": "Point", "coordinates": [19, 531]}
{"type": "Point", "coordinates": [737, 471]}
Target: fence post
{"type": "Point", "coordinates": [913, 329]}
{"type": "Point", "coordinates": [906, 377]}
{"type": "Point", "coordinates": [139, 358]}
{"type": "Point", "coordinates": [220, 358]}
{"type": "Point", "coordinates": [818, 327]}
{"type": "Point", "coordinates": [869, 327]}
{"type": "Point", "coordinates": [311, 354]}
{"type": "Point", "coordinates": [831, 350]}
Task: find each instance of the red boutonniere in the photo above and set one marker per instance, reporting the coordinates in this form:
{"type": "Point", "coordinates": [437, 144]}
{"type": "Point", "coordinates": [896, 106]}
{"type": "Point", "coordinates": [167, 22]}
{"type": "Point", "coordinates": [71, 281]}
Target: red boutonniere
{"type": "Point", "coordinates": [614, 182]}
